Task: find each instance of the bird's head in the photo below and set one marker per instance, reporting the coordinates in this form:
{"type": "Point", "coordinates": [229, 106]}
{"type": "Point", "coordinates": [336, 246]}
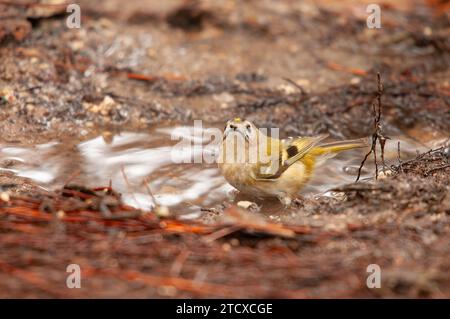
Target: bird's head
{"type": "Point", "coordinates": [243, 127]}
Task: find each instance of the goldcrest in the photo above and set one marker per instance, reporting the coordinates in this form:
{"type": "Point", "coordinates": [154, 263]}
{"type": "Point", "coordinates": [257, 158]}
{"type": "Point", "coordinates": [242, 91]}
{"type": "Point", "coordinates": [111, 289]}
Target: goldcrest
{"type": "Point", "coordinates": [262, 165]}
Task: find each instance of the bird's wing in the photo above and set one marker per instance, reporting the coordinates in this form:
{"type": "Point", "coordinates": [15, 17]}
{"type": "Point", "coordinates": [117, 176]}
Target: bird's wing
{"type": "Point", "coordinates": [266, 169]}
{"type": "Point", "coordinates": [296, 148]}
{"type": "Point", "coordinates": [290, 152]}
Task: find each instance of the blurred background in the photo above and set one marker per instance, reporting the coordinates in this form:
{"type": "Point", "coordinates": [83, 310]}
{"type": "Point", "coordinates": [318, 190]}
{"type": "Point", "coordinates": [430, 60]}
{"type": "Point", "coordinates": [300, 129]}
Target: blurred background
{"type": "Point", "coordinates": [96, 106]}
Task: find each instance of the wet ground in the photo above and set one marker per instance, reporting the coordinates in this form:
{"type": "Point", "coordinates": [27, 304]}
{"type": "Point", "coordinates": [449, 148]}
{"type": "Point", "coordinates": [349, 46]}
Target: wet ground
{"type": "Point", "coordinates": [100, 106]}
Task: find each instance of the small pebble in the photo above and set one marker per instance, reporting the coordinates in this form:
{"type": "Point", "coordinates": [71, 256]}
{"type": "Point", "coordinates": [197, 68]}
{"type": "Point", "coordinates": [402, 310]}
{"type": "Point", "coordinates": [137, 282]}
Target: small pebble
{"type": "Point", "coordinates": [60, 214]}
{"type": "Point", "coordinates": [167, 291]}
{"type": "Point", "coordinates": [162, 211]}
{"type": "Point", "coordinates": [234, 242]}
{"type": "Point", "coordinates": [4, 197]}
{"type": "Point", "coordinates": [287, 88]}
{"type": "Point", "coordinates": [447, 152]}
{"type": "Point", "coordinates": [355, 81]}
{"type": "Point", "coordinates": [226, 247]}
{"type": "Point", "coordinates": [384, 174]}
{"type": "Point", "coordinates": [250, 206]}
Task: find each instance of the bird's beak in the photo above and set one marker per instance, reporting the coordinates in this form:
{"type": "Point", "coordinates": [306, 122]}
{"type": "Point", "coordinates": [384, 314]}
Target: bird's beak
{"type": "Point", "coordinates": [237, 130]}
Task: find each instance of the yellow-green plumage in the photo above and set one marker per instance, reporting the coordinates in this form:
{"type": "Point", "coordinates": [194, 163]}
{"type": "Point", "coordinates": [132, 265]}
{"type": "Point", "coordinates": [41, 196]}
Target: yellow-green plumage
{"type": "Point", "coordinates": [286, 172]}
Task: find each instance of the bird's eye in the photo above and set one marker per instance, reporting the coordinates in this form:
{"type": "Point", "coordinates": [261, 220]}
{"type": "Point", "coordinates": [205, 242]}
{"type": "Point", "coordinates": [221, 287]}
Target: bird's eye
{"type": "Point", "coordinates": [249, 127]}
{"type": "Point", "coordinates": [233, 126]}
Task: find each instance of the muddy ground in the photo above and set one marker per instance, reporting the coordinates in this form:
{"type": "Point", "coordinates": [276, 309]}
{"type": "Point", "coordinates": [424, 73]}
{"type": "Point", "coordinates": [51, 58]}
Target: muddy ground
{"type": "Point", "coordinates": [131, 67]}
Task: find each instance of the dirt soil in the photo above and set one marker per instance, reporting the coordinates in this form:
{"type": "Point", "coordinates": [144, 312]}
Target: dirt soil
{"type": "Point", "coordinates": [131, 67]}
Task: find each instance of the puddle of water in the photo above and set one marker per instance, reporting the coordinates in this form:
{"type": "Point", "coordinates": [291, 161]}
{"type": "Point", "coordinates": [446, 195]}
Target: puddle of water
{"type": "Point", "coordinates": [148, 156]}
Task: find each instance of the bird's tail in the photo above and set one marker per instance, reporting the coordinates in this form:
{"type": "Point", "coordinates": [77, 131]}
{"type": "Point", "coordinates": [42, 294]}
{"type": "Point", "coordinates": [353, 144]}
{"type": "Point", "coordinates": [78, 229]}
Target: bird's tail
{"type": "Point", "coordinates": [339, 146]}
{"type": "Point", "coordinates": [326, 151]}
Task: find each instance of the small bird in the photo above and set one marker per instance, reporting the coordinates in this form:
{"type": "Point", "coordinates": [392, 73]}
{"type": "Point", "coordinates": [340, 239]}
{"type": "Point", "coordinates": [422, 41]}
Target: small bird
{"type": "Point", "coordinates": [265, 166]}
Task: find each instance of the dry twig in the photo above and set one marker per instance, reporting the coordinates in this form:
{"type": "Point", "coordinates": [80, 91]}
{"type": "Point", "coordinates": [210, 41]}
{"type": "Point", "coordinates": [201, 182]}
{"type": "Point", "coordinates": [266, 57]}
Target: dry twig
{"type": "Point", "coordinates": [377, 134]}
